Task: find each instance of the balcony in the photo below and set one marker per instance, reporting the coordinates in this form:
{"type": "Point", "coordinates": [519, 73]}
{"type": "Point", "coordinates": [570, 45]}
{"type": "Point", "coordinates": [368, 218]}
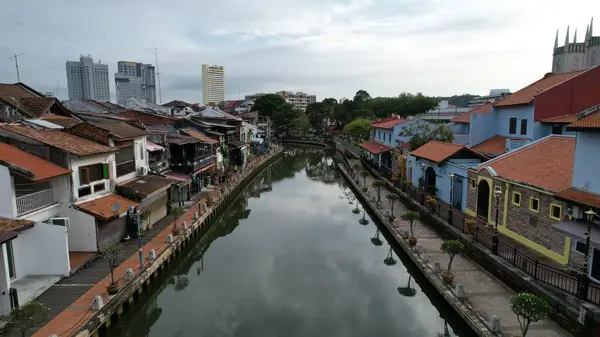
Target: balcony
{"type": "Point", "coordinates": [125, 168]}
{"type": "Point", "coordinates": [34, 201]}
{"type": "Point", "coordinates": [193, 166]}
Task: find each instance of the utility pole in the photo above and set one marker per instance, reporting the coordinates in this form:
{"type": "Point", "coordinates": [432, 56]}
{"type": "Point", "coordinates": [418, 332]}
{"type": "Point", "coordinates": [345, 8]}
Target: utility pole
{"type": "Point", "coordinates": [16, 58]}
{"type": "Point", "coordinates": [158, 73]}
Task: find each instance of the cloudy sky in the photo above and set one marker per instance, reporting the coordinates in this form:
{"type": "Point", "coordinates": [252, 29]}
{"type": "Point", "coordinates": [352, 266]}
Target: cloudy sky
{"type": "Point", "coordinates": [328, 47]}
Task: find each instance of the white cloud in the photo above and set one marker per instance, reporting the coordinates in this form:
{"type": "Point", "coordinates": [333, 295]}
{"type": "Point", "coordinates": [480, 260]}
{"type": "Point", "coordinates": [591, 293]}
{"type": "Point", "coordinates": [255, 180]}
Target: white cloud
{"type": "Point", "coordinates": [329, 47]}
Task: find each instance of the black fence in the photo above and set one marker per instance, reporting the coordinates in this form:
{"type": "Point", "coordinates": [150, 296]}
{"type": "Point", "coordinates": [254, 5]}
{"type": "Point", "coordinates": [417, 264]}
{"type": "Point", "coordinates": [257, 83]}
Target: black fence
{"type": "Point", "coordinates": [539, 271]}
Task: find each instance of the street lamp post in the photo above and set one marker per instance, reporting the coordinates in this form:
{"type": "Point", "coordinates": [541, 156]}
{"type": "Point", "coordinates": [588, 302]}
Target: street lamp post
{"type": "Point", "coordinates": [495, 239]}
{"type": "Point", "coordinates": [136, 217]}
{"type": "Point", "coordinates": [584, 281]}
{"type": "Point", "coordinates": [423, 182]}
{"type": "Point", "coordinates": [452, 176]}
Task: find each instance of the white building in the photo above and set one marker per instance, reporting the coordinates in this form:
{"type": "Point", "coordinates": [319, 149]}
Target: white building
{"type": "Point", "coordinates": [444, 112]}
{"type": "Point", "coordinates": [213, 84]}
{"type": "Point", "coordinates": [575, 55]}
{"type": "Point", "coordinates": [298, 99]}
{"type": "Point", "coordinates": [495, 94]}
{"type": "Point", "coordinates": [88, 80]}
{"type": "Point", "coordinates": [135, 80]}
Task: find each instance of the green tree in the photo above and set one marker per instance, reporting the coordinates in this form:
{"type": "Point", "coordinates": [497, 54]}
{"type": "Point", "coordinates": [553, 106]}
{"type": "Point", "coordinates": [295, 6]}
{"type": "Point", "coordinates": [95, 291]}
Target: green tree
{"type": "Point", "coordinates": [304, 124]}
{"type": "Point", "coordinates": [392, 198]}
{"type": "Point", "coordinates": [452, 248]}
{"type": "Point", "coordinates": [360, 97]}
{"type": "Point", "coordinates": [176, 213]}
{"type": "Point", "coordinates": [422, 132]}
{"type": "Point", "coordinates": [359, 128]}
{"type": "Point", "coordinates": [286, 119]}
{"type": "Point", "coordinates": [378, 184]}
{"type": "Point", "coordinates": [410, 217]}
{"type": "Point", "coordinates": [111, 254]}
{"type": "Point", "coordinates": [267, 104]}
{"type": "Point", "coordinates": [29, 316]}
{"type": "Point", "coordinates": [529, 308]}
{"type": "Point", "coordinates": [317, 113]}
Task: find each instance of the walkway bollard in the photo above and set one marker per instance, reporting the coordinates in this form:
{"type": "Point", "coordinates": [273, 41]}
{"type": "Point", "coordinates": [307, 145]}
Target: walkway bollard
{"type": "Point", "coordinates": [460, 291]}
{"type": "Point", "coordinates": [437, 268]}
{"type": "Point", "coordinates": [98, 303]}
{"type": "Point", "coordinates": [152, 255]}
{"type": "Point", "coordinates": [184, 225]}
{"type": "Point", "coordinates": [129, 274]}
{"type": "Point", "coordinates": [170, 238]}
{"type": "Point", "coordinates": [494, 324]}
{"type": "Point", "coordinates": [196, 217]}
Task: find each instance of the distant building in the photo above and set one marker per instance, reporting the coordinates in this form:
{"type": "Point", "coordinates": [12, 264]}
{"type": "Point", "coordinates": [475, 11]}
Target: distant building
{"type": "Point", "coordinates": [298, 99]}
{"type": "Point", "coordinates": [444, 112]}
{"type": "Point", "coordinates": [213, 84]}
{"type": "Point", "coordinates": [576, 55]}
{"type": "Point", "coordinates": [135, 80]}
{"type": "Point", "coordinates": [88, 80]}
{"type": "Point", "coordinates": [495, 94]}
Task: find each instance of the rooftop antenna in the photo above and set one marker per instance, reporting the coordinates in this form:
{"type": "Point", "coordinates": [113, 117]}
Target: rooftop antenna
{"type": "Point", "coordinates": [16, 58]}
{"type": "Point", "coordinates": [155, 51]}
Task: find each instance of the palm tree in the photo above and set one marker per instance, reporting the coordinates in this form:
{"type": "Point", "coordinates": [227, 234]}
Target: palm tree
{"type": "Point", "coordinates": [392, 198]}
{"type": "Point", "coordinates": [411, 217]}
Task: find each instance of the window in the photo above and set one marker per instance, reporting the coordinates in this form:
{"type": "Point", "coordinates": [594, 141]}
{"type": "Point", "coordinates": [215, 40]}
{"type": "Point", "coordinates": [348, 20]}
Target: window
{"type": "Point", "coordinates": [10, 256]}
{"type": "Point", "coordinates": [82, 192]}
{"type": "Point", "coordinates": [389, 137]}
{"type": "Point", "coordinates": [91, 173]}
{"type": "Point", "coordinates": [472, 183]}
{"type": "Point", "coordinates": [555, 211]}
{"type": "Point", "coordinates": [99, 187]}
{"type": "Point", "coordinates": [523, 126]}
{"type": "Point", "coordinates": [534, 205]}
{"type": "Point", "coordinates": [512, 127]}
{"type": "Point", "coordinates": [557, 130]}
{"type": "Point", "coordinates": [580, 247]}
{"type": "Point", "coordinates": [516, 198]}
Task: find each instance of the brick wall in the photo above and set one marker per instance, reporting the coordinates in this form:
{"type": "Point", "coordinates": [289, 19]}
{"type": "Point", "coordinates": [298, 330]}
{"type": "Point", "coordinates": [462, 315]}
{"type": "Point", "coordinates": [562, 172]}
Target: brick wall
{"type": "Point", "coordinates": [91, 132]}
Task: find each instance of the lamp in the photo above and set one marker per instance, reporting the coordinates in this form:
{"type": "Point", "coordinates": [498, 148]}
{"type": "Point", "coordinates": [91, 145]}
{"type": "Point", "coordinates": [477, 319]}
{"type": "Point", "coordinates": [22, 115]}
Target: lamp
{"type": "Point", "coordinates": [136, 217]}
{"type": "Point", "coordinates": [590, 215]}
{"type": "Point", "coordinates": [495, 239]}
{"type": "Point", "coordinates": [584, 280]}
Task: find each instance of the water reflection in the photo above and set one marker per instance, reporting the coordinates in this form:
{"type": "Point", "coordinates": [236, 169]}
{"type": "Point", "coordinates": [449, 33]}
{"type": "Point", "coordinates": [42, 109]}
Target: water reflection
{"type": "Point", "coordinates": [287, 259]}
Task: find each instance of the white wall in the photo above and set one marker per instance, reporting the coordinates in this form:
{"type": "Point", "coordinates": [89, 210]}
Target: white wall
{"type": "Point", "coordinates": [42, 250]}
{"type": "Point", "coordinates": [77, 162]}
{"type": "Point", "coordinates": [141, 160]}
{"type": "Point", "coordinates": [4, 282]}
{"type": "Point", "coordinates": [82, 235]}
{"type": "Point", "coordinates": [8, 207]}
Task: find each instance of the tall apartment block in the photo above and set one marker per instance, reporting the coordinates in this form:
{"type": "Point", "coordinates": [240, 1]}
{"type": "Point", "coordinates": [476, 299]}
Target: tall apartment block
{"type": "Point", "coordinates": [135, 80]}
{"type": "Point", "coordinates": [298, 99]}
{"type": "Point", "coordinates": [213, 84]}
{"type": "Point", "coordinates": [88, 80]}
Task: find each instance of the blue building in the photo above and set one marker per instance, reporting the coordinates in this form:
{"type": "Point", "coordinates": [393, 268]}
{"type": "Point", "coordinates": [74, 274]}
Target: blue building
{"type": "Point", "coordinates": [385, 137]}
{"type": "Point", "coordinates": [442, 168]}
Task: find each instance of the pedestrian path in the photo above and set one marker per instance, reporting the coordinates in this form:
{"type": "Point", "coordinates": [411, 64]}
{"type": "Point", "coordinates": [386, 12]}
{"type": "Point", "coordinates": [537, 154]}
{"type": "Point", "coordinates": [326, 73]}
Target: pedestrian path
{"type": "Point", "coordinates": [485, 294]}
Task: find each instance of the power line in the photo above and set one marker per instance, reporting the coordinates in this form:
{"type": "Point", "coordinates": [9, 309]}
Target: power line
{"type": "Point", "coordinates": [155, 51]}
{"type": "Point", "coordinates": [16, 58]}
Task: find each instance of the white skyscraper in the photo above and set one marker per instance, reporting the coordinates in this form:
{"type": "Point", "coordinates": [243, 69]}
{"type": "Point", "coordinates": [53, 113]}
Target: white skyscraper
{"type": "Point", "coordinates": [135, 80]}
{"type": "Point", "coordinates": [88, 80]}
{"type": "Point", "coordinates": [213, 84]}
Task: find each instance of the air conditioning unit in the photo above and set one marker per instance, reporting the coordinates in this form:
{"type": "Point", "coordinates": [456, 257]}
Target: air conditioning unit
{"type": "Point", "coordinates": [577, 212]}
{"type": "Point", "coordinates": [65, 222]}
{"type": "Point", "coordinates": [143, 171]}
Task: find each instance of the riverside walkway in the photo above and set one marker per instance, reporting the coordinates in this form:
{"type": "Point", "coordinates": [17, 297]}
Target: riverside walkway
{"type": "Point", "coordinates": [485, 295]}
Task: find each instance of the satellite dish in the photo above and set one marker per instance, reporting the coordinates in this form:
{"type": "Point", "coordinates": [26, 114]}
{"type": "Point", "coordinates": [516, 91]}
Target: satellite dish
{"type": "Point", "coordinates": [116, 207]}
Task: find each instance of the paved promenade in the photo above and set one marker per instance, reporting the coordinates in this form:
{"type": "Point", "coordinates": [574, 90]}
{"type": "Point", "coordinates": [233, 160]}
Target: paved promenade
{"type": "Point", "coordinates": [485, 295]}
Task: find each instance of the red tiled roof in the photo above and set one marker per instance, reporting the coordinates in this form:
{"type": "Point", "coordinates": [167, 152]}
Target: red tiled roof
{"type": "Point", "coordinates": [38, 167]}
{"type": "Point", "coordinates": [440, 151]}
{"type": "Point", "coordinates": [61, 140]}
{"type": "Point", "coordinates": [14, 90]}
{"type": "Point", "coordinates": [546, 163]}
{"type": "Point", "coordinates": [388, 122]}
{"type": "Point", "coordinates": [527, 94]}
{"type": "Point", "coordinates": [580, 197]}
{"type": "Point", "coordinates": [199, 136]}
{"type": "Point", "coordinates": [375, 147]}
{"type": "Point", "coordinates": [7, 225]}
{"type": "Point", "coordinates": [7, 236]}
{"type": "Point", "coordinates": [566, 119]}
{"type": "Point", "coordinates": [37, 105]}
{"type": "Point", "coordinates": [103, 207]}
{"type": "Point", "coordinates": [63, 121]}
{"type": "Point", "coordinates": [591, 121]}
{"type": "Point", "coordinates": [495, 145]}
{"type": "Point", "coordinates": [466, 117]}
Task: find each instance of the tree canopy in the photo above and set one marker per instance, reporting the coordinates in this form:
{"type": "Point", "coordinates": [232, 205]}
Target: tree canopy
{"type": "Point", "coordinates": [267, 104]}
{"type": "Point", "coordinates": [286, 119]}
{"type": "Point", "coordinates": [422, 132]}
{"type": "Point", "coordinates": [359, 128]}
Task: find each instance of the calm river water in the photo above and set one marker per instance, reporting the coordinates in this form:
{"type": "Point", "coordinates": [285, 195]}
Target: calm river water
{"type": "Point", "coordinates": [289, 258]}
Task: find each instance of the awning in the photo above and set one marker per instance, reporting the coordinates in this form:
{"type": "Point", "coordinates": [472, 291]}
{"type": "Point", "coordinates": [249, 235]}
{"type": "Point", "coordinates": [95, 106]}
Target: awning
{"type": "Point", "coordinates": [375, 147]}
{"type": "Point", "coordinates": [147, 185]}
{"type": "Point", "coordinates": [106, 207]}
{"type": "Point", "coordinates": [577, 230]}
{"type": "Point", "coordinates": [206, 168]}
{"type": "Point", "coordinates": [178, 176]}
{"type": "Point", "coordinates": [153, 147]}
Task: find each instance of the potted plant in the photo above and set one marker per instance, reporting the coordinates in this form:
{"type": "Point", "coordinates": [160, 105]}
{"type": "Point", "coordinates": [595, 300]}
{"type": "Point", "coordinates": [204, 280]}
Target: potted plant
{"type": "Point", "coordinates": [411, 217]}
{"type": "Point", "coordinates": [209, 200]}
{"type": "Point", "coordinates": [471, 227]}
{"type": "Point", "coordinates": [431, 201]}
{"type": "Point", "coordinates": [392, 198]}
{"type": "Point", "coordinates": [364, 174]}
{"type": "Point", "coordinates": [378, 184]}
{"type": "Point", "coordinates": [452, 248]}
{"type": "Point", "coordinates": [177, 212]}
{"type": "Point", "coordinates": [29, 316]}
{"type": "Point", "coordinates": [111, 254]}
{"type": "Point", "coordinates": [529, 308]}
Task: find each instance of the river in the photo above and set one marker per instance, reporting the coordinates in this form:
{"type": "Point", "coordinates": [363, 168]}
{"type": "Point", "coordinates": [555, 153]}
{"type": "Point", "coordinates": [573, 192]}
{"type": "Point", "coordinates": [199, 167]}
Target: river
{"type": "Point", "coordinates": [290, 258]}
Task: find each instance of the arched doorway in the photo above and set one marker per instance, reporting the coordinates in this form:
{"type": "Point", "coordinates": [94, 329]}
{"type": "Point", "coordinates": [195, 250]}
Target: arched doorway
{"type": "Point", "coordinates": [483, 199]}
{"type": "Point", "coordinates": [430, 180]}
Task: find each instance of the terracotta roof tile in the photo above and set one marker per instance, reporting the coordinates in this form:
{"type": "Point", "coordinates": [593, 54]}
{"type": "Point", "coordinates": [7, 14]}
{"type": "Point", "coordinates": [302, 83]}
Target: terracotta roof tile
{"type": "Point", "coordinates": [199, 136]}
{"type": "Point", "coordinates": [7, 225]}
{"type": "Point", "coordinates": [147, 185]}
{"type": "Point", "coordinates": [527, 94]}
{"type": "Point", "coordinates": [580, 197]}
{"type": "Point", "coordinates": [546, 163]}
{"type": "Point", "coordinates": [38, 167]}
{"type": "Point", "coordinates": [495, 145]}
{"type": "Point", "coordinates": [63, 121]}
{"type": "Point", "coordinates": [388, 122]}
{"type": "Point", "coordinates": [375, 147]}
{"type": "Point", "coordinates": [566, 119]}
{"type": "Point", "coordinates": [103, 207]}
{"type": "Point", "coordinates": [37, 106]}
{"type": "Point", "coordinates": [591, 121]}
{"type": "Point", "coordinates": [466, 117]}
{"type": "Point", "coordinates": [440, 151]}
{"type": "Point", "coordinates": [61, 140]}
{"type": "Point", "coordinates": [14, 90]}
{"type": "Point", "coordinates": [120, 130]}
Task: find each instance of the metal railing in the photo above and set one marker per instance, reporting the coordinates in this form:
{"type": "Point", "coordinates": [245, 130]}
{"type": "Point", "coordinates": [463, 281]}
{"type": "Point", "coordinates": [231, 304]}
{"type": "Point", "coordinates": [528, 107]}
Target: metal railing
{"type": "Point", "coordinates": [34, 201]}
{"type": "Point", "coordinates": [539, 271]}
{"type": "Point", "coordinates": [125, 168]}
